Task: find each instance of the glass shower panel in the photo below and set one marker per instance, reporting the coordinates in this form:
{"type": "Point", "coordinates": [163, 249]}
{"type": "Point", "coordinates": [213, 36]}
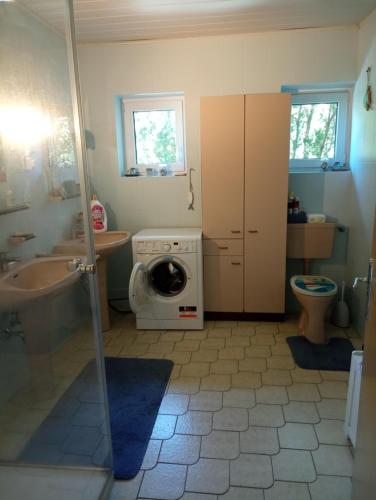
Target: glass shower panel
{"type": "Point", "coordinates": [53, 408]}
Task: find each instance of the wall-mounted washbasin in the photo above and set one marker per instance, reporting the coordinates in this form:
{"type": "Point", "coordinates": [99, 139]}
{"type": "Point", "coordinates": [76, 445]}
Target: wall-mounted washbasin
{"type": "Point", "coordinates": [108, 242]}
{"type": "Point", "coordinates": [105, 243]}
{"type": "Point", "coordinates": [35, 279]}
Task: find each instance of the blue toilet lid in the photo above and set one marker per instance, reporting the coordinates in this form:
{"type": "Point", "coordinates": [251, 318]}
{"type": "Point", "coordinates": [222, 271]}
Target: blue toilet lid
{"type": "Point", "coordinates": [314, 285]}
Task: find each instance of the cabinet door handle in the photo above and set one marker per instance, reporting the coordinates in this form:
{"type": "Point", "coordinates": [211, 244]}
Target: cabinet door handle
{"type": "Point", "coordinates": [236, 232]}
{"type": "Point", "coordinates": [236, 263]}
{"type": "Point", "coordinates": [222, 248]}
{"type": "Point", "coordinates": [253, 231]}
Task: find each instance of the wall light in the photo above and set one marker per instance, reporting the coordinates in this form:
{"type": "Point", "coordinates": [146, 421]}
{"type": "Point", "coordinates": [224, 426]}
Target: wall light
{"type": "Point", "coordinates": [24, 125]}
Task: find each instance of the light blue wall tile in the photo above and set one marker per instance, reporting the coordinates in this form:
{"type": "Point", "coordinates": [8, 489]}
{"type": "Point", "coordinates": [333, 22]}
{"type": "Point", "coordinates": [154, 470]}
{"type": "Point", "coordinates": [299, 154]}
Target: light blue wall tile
{"type": "Point", "coordinates": [309, 187]}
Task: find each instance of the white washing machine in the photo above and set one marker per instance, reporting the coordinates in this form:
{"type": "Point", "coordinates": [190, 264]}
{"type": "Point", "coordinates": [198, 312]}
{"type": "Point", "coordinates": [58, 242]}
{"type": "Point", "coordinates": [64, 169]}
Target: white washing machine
{"type": "Point", "coordinates": [166, 284]}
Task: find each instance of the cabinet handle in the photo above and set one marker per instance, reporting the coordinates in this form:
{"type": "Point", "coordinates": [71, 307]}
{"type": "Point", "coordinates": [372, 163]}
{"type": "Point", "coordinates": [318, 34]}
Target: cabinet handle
{"type": "Point", "coordinates": [236, 263]}
{"type": "Point", "coordinates": [222, 248]}
{"type": "Point", "coordinates": [253, 231]}
{"type": "Point", "coordinates": [236, 232]}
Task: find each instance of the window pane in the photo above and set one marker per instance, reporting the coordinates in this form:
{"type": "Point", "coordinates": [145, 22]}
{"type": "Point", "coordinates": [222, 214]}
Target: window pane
{"type": "Point", "coordinates": [313, 131]}
{"type": "Point", "coordinates": [155, 136]}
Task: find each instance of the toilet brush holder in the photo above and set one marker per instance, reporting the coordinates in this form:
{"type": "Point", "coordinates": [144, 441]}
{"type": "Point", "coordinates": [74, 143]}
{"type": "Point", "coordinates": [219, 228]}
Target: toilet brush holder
{"type": "Point", "coordinates": [341, 313]}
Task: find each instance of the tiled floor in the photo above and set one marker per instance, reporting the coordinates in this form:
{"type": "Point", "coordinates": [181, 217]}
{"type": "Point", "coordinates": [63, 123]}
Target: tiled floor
{"type": "Point", "coordinates": [74, 433]}
{"type": "Point", "coordinates": [239, 420]}
{"type": "Point", "coordinates": [35, 483]}
{"type": "Point", "coordinates": [45, 430]}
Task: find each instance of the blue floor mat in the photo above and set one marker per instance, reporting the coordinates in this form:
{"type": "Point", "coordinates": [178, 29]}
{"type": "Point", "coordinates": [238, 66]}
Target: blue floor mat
{"type": "Point", "coordinates": [74, 432]}
{"type": "Point", "coordinates": [135, 391]}
{"type": "Point", "coordinates": [335, 355]}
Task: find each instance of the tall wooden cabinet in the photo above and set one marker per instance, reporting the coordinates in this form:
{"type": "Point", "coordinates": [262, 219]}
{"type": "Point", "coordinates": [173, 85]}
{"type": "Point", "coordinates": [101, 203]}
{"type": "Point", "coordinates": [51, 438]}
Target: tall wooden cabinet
{"type": "Point", "coordinates": [244, 162]}
{"type": "Point", "coordinates": [222, 154]}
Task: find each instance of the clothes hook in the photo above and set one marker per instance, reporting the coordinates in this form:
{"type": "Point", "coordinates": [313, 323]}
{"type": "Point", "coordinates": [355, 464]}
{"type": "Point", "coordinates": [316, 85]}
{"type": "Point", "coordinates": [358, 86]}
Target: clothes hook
{"type": "Point", "coordinates": [368, 98]}
{"type": "Point", "coordinates": [191, 196]}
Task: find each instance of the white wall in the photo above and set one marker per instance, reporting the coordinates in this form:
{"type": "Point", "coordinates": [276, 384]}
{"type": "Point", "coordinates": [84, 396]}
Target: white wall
{"type": "Point", "coordinates": [363, 164]}
{"type": "Point", "coordinates": [250, 63]}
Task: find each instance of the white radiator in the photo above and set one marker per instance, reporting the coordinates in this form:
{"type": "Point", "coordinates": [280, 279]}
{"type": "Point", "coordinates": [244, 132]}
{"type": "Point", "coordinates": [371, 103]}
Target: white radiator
{"type": "Point", "coordinates": [353, 394]}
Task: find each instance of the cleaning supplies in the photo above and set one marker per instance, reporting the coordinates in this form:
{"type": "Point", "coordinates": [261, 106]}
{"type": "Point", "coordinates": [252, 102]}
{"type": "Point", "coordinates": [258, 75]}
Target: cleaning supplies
{"type": "Point", "coordinates": [296, 205]}
{"type": "Point", "coordinates": [295, 213]}
{"type": "Point", "coordinates": [341, 314]}
{"type": "Point", "coordinates": [98, 216]}
{"type": "Point", "coordinates": [290, 203]}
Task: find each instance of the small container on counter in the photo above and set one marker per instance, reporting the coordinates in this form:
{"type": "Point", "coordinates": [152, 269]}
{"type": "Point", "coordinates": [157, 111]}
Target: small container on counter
{"type": "Point", "coordinates": [290, 203]}
{"type": "Point", "coordinates": [296, 205]}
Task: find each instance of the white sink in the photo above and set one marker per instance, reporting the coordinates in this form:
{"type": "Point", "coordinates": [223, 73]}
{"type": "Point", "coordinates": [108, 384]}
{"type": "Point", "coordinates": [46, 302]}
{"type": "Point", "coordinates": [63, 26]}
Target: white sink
{"type": "Point", "coordinates": [35, 279]}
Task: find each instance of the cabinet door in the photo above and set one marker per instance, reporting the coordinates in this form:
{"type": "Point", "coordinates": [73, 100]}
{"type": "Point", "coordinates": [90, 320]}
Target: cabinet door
{"type": "Point", "coordinates": [222, 166]}
{"type": "Point", "coordinates": [267, 137]}
{"type": "Point", "coordinates": [223, 283]}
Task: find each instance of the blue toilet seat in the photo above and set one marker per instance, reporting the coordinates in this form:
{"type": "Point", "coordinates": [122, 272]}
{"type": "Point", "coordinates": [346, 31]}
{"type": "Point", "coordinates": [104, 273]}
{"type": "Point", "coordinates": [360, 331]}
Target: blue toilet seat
{"type": "Point", "coordinates": [316, 286]}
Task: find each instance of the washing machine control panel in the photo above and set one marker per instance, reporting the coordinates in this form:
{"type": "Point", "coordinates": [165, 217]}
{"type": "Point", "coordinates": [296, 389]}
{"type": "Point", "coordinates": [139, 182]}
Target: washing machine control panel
{"type": "Point", "coordinates": [165, 246]}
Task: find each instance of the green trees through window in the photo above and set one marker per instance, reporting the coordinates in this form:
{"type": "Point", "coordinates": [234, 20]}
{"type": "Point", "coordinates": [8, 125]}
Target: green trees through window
{"type": "Point", "coordinates": [155, 137]}
{"type": "Point", "coordinates": [153, 131]}
{"type": "Point", "coordinates": [313, 131]}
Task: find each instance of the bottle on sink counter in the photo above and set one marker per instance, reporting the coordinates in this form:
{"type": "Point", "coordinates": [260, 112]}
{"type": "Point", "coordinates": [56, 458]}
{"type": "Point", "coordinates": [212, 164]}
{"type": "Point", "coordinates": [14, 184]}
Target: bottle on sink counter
{"type": "Point", "coordinates": [98, 216]}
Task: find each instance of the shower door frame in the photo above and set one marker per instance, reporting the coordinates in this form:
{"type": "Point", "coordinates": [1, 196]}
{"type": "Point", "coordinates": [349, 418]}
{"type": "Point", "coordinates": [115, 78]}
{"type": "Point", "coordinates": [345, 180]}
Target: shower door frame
{"type": "Point", "coordinates": [81, 157]}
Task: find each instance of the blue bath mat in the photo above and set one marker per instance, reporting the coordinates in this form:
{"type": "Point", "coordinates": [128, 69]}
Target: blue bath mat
{"type": "Point", "coordinates": [135, 391]}
{"type": "Point", "coordinates": [73, 432]}
{"type": "Point", "coordinates": [334, 356]}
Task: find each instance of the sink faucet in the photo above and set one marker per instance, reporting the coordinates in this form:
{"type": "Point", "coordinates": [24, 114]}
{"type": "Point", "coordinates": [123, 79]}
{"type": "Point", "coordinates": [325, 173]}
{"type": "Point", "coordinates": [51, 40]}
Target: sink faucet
{"type": "Point", "coordinates": [7, 262]}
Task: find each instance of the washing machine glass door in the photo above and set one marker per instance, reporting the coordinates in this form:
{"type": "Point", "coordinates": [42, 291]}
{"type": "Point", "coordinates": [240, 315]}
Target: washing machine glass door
{"type": "Point", "coordinates": [138, 288]}
{"type": "Point", "coordinates": [168, 278]}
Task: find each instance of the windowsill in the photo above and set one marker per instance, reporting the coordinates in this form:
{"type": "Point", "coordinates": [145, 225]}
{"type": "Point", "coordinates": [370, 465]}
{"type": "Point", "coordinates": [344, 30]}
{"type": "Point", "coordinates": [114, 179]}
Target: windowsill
{"type": "Point", "coordinates": [315, 170]}
{"type": "Point", "coordinates": [155, 176]}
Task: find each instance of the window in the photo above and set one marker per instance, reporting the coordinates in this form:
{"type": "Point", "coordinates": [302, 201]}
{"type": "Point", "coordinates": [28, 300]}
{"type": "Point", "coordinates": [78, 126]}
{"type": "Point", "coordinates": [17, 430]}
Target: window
{"type": "Point", "coordinates": [318, 129]}
{"type": "Point", "coordinates": [154, 135]}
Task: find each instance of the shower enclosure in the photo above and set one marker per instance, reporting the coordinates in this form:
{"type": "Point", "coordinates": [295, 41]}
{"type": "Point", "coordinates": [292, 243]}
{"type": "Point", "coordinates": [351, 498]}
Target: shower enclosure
{"type": "Point", "coordinates": [54, 427]}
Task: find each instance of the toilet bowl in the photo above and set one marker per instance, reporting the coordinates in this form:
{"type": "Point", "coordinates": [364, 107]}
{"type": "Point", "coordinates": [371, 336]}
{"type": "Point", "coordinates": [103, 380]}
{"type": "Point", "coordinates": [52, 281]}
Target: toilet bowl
{"type": "Point", "coordinates": [315, 294]}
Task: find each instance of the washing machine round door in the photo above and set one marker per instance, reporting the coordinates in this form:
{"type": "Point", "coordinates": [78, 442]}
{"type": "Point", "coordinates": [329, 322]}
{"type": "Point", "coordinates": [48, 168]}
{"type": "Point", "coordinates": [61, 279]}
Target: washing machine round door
{"type": "Point", "coordinates": [138, 285]}
{"type": "Point", "coordinates": [168, 278]}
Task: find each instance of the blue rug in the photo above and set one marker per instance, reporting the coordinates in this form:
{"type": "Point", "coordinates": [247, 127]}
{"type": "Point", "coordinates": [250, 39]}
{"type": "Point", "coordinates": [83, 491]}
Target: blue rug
{"type": "Point", "coordinates": [335, 355]}
{"type": "Point", "coordinates": [135, 391]}
{"type": "Point", "coordinates": [74, 432]}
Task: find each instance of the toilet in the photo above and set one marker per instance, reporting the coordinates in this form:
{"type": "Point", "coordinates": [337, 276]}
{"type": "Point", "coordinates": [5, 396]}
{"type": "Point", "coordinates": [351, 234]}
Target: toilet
{"type": "Point", "coordinates": [314, 293]}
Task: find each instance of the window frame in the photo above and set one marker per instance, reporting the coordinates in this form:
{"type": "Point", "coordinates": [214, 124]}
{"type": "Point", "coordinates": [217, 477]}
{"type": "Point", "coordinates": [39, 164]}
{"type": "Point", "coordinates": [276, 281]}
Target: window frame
{"type": "Point", "coordinates": [139, 103]}
{"type": "Point", "coordinates": [342, 97]}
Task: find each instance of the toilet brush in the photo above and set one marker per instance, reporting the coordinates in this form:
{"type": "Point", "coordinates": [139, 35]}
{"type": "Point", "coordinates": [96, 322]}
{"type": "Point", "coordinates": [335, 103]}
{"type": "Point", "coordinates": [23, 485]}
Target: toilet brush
{"type": "Point", "coordinates": [341, 314]}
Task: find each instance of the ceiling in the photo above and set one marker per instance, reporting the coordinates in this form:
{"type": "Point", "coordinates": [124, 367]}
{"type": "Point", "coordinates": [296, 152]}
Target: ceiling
{"type": "Point", "coordinates": [128, 20]}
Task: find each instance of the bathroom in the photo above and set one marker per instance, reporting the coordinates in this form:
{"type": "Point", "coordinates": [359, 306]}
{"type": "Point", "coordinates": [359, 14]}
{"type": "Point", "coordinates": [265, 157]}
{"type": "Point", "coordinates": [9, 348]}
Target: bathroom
{"type": "Point", "coordinates": [239, 419]}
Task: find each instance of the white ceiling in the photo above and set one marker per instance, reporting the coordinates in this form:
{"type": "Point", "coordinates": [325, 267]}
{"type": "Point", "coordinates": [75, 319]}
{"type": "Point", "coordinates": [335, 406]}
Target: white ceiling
{"type": "Point", "coordinates": [125, 20]}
